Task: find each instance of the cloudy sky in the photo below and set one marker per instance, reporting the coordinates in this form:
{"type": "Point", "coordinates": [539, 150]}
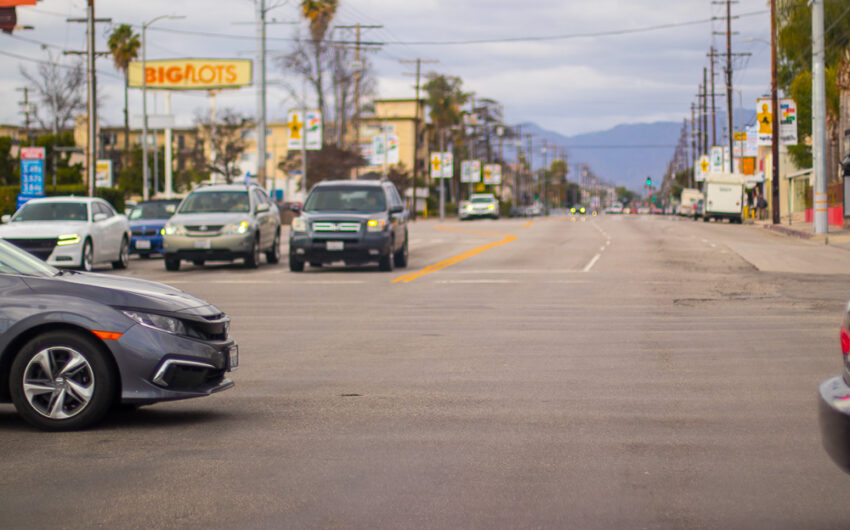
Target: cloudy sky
{"type": "Point", "coordinates": [605, 66]}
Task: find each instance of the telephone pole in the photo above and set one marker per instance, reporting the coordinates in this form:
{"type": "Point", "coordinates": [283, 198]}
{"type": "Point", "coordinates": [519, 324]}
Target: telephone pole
{"type": "Point", "coordinates": [713, 115]}
{"type": "Point", "coordinates": [27, 110]}
{"type": "Point", "coordinates": [358, 66]}
{"type": "Point", "coordinates": [91, 151]}
{"type": "Point", "coordinates": [818, 125]}
{"type": "Point", "coordinates": [416, 128]}
{"type": "Point", "coordinates": [704, 111]}
{"type": "Point", "coordinates": [693, 146]}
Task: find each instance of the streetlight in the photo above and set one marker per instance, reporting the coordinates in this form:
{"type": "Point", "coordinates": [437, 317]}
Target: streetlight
{"type": "Point", "coordinates": [145, 178]}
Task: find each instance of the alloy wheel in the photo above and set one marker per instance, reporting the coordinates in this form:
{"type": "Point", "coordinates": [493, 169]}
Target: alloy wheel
{"type": "Point", "coordinates": [58, 382]}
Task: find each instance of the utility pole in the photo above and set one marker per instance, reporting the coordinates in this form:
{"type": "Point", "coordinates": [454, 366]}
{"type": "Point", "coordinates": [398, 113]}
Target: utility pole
{"type": "Point", "coordinates": [693, 147]}
{"type": "Point", "coordinates": [530, 159]}
{"type": "Point", "coordinates": [704, 111]}
{"type": "Point", "coordinates": [91, 151]}
{"type": "Point", "coordinates": [713, 115]}
{"type": "Point", "coordinates": [818, 123]}
{"type": "Point", "coordinates": [416, 128]}
{"type": "Point", "coordinates": [27, 110]}
{"type": "Point", "coordinates": [699, 114]}
{"type": "Point", "coordinates": [358, 46]}
{"type": "Point", "coordinates": [731, 128]}
{"type": "Point", "coordinates": [545, 179]}
{"type": "Point", "coordinates": [261, 93]}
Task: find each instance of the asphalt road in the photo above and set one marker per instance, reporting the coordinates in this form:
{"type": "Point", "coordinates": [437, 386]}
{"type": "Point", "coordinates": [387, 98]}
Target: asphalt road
{"type": "Point", "coordinates": [602, 372]}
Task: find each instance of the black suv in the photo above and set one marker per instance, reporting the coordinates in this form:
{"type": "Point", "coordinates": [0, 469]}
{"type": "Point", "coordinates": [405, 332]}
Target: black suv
{"type": "Point", "coordinates": [354, 221]}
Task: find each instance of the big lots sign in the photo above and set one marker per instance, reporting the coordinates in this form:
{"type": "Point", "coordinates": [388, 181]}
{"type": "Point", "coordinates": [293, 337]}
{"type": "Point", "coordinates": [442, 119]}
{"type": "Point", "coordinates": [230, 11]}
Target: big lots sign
{"type": "Point", "coordinates": [191, 74]}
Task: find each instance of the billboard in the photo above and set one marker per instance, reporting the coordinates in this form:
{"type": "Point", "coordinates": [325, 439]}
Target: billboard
{"type": "Point", "coordinates": [191, 74]}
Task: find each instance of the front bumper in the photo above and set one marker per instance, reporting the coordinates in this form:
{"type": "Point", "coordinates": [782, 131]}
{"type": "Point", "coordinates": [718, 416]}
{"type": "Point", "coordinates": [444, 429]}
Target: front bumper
{"type": "Point", "coordinates": [834, 416]}
{"type": "Point", "coordinates": [144, 245]}
{"type": "Point", "coordinates": [213, 247]}
{"type": "Point", "coordinates": [363, 248]}
{"type": "Point", "coordinates": [49, 250]}
{"type": "Point", "coordinates": [470, 214]}
{"type": "Point", "coordinates": [159, 366]}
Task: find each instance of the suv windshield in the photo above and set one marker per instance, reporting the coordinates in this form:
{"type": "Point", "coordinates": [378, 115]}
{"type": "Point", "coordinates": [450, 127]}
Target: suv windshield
{"type": "Point", "coordinates": [15, 261]}
{"type": "Point", "coordinates": [346, 199]}
{"type": "Point", "coordinates": [153, 210]}
{"type": "Point", "coordinates": [52, 211]}
{"type": "Point", "coordinates": [216, 201]}
{"type": "Point", "coordinates": [481, 199]}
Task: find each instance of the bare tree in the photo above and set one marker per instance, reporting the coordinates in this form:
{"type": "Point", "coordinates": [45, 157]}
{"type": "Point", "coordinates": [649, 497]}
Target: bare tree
{"type": "Point", "coordinates": [228, 142]}
{"type": "Point", "coordinates": [59, 89]}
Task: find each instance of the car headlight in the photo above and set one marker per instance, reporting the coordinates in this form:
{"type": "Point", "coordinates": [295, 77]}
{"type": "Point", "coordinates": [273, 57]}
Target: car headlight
{"type": "Point", "coordinates": [159, 322]}
{"type": "Point", "coordinates": [237, 228]}
{"type": "Point", "coordinates": [299, 224]}
{"type": "Point", "coordinates": [174, 230]}
{"type": "Point", "coordinates": [68, 239]}
{"type": "Point", "coordinates": [375, 225]}
{"type": "Point", "coordinates": [491, 206]}
{"type": "Point", "coordinates": [468, 207]}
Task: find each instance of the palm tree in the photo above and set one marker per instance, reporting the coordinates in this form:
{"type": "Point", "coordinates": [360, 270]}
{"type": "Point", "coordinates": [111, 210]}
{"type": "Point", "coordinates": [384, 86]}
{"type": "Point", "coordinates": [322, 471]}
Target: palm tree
{"type": "Point", "coordinates": [124, 45]}
{"type": "Point", "coordinates": [319, 13]}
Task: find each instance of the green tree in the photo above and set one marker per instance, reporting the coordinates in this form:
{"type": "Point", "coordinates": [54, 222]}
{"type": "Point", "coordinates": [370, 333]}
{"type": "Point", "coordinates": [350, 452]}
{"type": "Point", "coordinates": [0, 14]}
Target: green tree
{"type": "Point", "coordinates": [795, 64]}
{"type": "Point", "coordinates": [124, 46]}
{"type": "Point", "coordinates": [445, 99]}
{"type": "Point", "coordinates": [9, 173]}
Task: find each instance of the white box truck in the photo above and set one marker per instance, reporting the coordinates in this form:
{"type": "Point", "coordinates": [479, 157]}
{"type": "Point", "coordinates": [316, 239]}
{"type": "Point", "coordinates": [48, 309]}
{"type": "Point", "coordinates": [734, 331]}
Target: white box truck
{"type": "Point", "coordinates": [688, 200]}
{"type": "Point", "coordinates": [724, 197]}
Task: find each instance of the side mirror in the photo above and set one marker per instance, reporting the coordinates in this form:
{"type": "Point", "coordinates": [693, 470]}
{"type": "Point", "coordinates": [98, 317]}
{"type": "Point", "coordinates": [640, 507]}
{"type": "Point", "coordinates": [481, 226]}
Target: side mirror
{"type": "Point", "coordinates": [5, 219]}
{"type": "Point", "coordinates": [397, 209]}
{"type": "Point", "coordinates": [262, 208]}
{"type": "Point", "coordinates": [295, 207]}
{"type": "Point", "coordinates": [99, 217]}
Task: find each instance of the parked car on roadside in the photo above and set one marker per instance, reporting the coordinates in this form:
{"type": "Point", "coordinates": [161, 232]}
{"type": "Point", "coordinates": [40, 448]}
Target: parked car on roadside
{"type": "Point", "coordinates": [223, 222]}
{"type": "Point", "coordinates": [354, 221]}
{"type": "Point", "coordinates": [479, 205]}
{"type": "Point", "coordinates": [74, 344]}
{"type": "Point", "coordinates": [74, 232]}
{"type": "Point", "coordinates": [147, 220]}
{"type": "Point", "coordinates": [834, 410]}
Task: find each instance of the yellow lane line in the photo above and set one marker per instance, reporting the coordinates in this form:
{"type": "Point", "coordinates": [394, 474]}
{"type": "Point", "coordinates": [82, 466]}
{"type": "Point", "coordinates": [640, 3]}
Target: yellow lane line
{"type": "Point", "coordinates": [460, 257]}
{"type": "Point", "coordinates": [528, 224]}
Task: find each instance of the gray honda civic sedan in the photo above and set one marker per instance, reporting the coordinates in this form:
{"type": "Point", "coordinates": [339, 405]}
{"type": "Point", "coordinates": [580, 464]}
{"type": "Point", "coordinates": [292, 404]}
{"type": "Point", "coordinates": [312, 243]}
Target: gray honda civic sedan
{"type": "Point", "coordinates": [73, 344]}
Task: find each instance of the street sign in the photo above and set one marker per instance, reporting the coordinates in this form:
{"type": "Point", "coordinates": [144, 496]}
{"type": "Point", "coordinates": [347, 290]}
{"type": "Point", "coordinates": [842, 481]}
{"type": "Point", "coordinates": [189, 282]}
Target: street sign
{"type": "Point", "coordinates": [764, 119]}
{"type": "Point", "coordinates": [787, 122]}
{"type": "Point", "coordinates": [314, 130]}
{"type": "Point", "coordinates": [191, 74]}
{"type": "Point", "coordinates": [701, 168]}
{"type": "Point", "coordinates": [493, 174]}
{"type": "Point", "coordinates": [103, 174]}
{"type": "Point", "coordinates": [716, 160]}
{"type": "Point", "coordinates": [303, 125]}
{"type": "Point", "coordinates": [448, 165]}
{"type": "Point", "coordinates": [32, 171]}
{"type": "Point", "coordinates": [295, 123]}
{"type": "Point", "coordinates": [470, 171]}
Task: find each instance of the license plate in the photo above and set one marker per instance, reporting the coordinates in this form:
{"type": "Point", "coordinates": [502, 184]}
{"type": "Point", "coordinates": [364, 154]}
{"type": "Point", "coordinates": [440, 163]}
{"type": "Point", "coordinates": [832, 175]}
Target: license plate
{"type": "Point", "coordinates": [143, 244]}
{"type": "Point", "coordinates": [233, 357]}
{"type": "Point", "coordinates": [335, 245]}
{"type": "Point", "coordinates": [202, 243]}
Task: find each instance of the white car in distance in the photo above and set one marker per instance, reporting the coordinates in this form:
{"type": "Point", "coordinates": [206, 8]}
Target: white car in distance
{"type": "Point", "coordinates": [479, 205]}
{"type": "Point", "coordinates": [72, 232]}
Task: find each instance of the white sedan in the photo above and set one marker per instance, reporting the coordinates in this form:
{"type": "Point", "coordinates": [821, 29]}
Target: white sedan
{"type": "Point", "coordinates": [75, 232]}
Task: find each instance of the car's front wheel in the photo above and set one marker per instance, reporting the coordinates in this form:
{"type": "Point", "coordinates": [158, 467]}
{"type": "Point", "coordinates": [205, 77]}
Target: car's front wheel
{"type": "Point", "coordinates": [273, 254]}
{"type": "Point", "coordinates": [123, 255]}
{"type": "Point", "coordinates": [61, 381]}
{"type": "Point", "coordinates": [87, 257]}
{"type": "Point", "coordinates": [295, 264]}
{"type": "Point", "coordinates": [172, 263]}
{"type": "Point", "coordinates": [252, 260]}
{"type": "Point", "coordinates": [385, 264]}
{"type": "Point", "coordinates": [401, 256]}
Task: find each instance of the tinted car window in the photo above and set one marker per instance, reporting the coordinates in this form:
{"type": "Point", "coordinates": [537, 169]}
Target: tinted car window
{"type": "Point", "coordinates": [105, 209]}
{"type": "Point", "coordinates": [15, 261]}
{"type": "Point", "coordinates": [52, 211]}
{"type": "Point", "coordinates": [216, 201]}
{"type": "Point", "coordinates": [346, 199]}
{"type": "Point", "coordinates": [259, 198]}
{"type": "Point", "coordinates": [481, 199]}
{"type": "Point", "coordinates": [153, 210]}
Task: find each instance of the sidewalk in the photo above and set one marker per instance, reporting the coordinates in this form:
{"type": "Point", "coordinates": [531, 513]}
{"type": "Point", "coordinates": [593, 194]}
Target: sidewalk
{"type": "Point", "coordinates": [836, 236]}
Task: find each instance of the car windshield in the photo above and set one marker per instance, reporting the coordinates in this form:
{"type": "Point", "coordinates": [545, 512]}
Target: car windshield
{"type": "Point", "coordinates": [481, 199]}
{"type": "Point", "coordinates": [216, 201]}
{"type": "Point", "coordinates": [153, 210]}
{"type": "Point", "coordinates": [15, 261]}
{"type": "Point", "coordinates": [52, 211]}
{"type": "Point", "coordinates": [346, 199]}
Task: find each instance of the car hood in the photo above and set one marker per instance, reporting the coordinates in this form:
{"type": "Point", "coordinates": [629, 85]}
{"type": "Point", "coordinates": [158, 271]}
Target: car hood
{"type": "Point", "coordinates": [120, 291]}
{"type": "Point", "coordinates": [342, 216]}
{"type": "Point", "coordinates": [153, 223]}
{"type": "Point", "coordinates": [36, 229]}
{"type": "Point", "coordinates": [210, 219]}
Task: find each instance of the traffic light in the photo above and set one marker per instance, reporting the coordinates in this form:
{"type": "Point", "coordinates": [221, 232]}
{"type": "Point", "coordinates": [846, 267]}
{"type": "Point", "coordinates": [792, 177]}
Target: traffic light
{"type": "Point", "coordinates": [648, 182]}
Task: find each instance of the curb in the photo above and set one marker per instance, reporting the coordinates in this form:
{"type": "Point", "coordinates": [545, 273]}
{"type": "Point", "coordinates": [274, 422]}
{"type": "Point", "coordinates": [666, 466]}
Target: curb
{"type": "Point", "coordinates": [788, 231]}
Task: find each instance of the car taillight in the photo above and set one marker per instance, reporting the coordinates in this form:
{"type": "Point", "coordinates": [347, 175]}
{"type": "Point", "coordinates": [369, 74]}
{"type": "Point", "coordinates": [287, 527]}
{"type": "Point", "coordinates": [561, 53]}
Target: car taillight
{"type": "Point", "coordinates": [845, 341]}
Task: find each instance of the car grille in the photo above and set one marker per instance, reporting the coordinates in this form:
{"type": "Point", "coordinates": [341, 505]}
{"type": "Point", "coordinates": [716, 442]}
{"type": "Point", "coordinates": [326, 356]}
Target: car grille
{"type": "Point", "coordinates": [216, 327]}
{"type": "Point", "coordinates": [335, 227]}
{"type": "Point", "coordinates": [145, 231]}
{"type": "Point", "coordinates": [40, 248]}
{"type": "Point", "coordinates": [204, 228]}
{"type": "Point", "coordinates": [187, 378]}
